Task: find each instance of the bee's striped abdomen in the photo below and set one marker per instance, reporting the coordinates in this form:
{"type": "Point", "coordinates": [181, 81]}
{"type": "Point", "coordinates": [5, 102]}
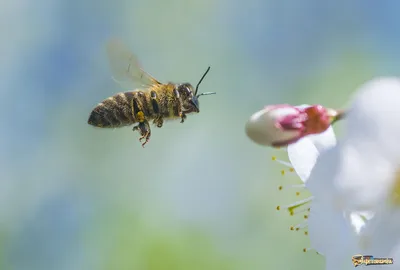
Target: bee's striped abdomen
{"type": "Point", "coordinates": [115, 111]}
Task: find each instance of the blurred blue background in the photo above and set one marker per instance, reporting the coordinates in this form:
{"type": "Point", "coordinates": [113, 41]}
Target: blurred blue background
{"type": "Point", "coordinates": [201, 195]}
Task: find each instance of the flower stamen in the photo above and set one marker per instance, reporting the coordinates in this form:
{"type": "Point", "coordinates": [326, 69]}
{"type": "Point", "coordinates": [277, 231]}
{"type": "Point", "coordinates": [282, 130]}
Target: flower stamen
{"type": "Point", "coordinates": [301, 206]}
{"type": "Point", "coordinates": [298, 204]}
{"type": "Point", "coordinates": [287, 164]}
{"type": "Point", "coordinates": [300, 226]}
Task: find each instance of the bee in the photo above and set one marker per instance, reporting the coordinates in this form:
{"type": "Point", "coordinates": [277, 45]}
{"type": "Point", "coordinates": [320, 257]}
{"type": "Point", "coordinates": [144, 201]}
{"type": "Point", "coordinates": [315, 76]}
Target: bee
{"type": "Point", "coordinates": [154, 101]}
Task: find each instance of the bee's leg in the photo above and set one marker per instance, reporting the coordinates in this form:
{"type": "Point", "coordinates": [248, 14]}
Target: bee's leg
{"type": "Point", "coordinates": [144, 130]}
{"type": "Point", "coordinates": [182, 115]}
{"type": "Point", "coordinates": [158, 121]}
{"type": "Point", "coordinates": [143, 127]}
{"type": "Point", "coordinates": [146, 133]}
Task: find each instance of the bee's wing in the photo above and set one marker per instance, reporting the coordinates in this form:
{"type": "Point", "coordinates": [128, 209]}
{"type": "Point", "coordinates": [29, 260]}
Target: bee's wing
{"type": "Point", "coordinates": [125, 67]}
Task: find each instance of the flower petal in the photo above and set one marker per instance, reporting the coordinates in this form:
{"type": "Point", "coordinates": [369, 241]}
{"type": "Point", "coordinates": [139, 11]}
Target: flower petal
{"type": "Point", "coordinates": [331, 235]}
{"type": "Point", "coordinates": [370, 153]}
{"type": "Point", "coordinates": [373, 119]}
{"type": "Point", "coordinates": [363, 180]}
{"type": "Point", "coordinates": [304, 153]}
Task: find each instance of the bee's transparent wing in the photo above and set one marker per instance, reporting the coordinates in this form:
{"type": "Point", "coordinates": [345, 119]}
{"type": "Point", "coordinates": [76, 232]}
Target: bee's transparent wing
{"type": "Point", "coordinates": [125, 67]}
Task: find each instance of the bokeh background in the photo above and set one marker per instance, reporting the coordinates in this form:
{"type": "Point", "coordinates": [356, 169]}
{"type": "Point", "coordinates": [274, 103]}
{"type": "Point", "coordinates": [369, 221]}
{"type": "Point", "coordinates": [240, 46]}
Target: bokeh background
{"type": "Point", "coordinates": [201, 195]}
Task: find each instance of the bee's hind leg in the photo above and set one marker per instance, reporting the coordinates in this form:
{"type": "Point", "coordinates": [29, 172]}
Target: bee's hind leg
{"type": "Point", "coordinates": [144, 129]}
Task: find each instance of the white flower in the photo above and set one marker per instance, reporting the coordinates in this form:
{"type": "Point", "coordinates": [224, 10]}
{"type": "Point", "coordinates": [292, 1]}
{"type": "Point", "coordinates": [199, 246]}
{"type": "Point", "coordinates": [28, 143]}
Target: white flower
{"type": "Point", "coordinates": [361, 173]}
{"type": "Point", "coordinates": [367, 175]}
{"type": "Point", "coordinates": [283, 124]}
{"type": "Point", "coordinates": [355, 184]}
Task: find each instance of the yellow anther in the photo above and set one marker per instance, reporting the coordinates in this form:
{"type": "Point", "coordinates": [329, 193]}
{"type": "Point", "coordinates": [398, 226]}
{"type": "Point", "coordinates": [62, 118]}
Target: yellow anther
{"type": "Point", "coordinates": [297, 193]}
{"type": "Point", "coordinates": [280, 187]}
{"type": "Point", "coordinates": [305, 216]}
{"type": "Point", "coordinates": [291, 170]}
{"type": "Point", "coordinates": [292, 228]}
{"type": "Point", "coordinates": [304, 250]}
{"type": "Point", "coordinates": [278, 208]}
{"type": "Point", "coordinates": [283, 172]}
{"type": "Point", "coordinates": [291, 213]}
{"type": "Point", "coordinates": [305, 233]}
{"type": "Point", "coordinates": [297, 229]}
{"type": "Point", "coordinates": [273, 158]}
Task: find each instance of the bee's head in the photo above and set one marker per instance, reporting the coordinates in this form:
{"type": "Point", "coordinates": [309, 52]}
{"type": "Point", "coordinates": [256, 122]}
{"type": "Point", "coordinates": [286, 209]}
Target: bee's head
{"type": "Point", "coordinates": [189, 100]}
{"type": "Point", "coordinates": [189, 96]}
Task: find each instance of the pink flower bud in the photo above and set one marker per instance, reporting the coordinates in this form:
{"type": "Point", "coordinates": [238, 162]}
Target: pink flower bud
{"type": "Point", "coordinates": [283, 124]}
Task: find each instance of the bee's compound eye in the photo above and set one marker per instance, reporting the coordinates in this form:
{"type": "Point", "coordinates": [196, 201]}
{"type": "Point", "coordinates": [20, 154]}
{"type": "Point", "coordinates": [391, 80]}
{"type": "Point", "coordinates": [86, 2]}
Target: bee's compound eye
{"type": "Point", "coordinates": [184, 89]}
{"type": "Point", "coordinates": [188, 89]}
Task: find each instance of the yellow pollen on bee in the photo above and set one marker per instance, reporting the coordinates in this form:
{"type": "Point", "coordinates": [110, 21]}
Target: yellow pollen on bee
{"type": "Point", "coordinates": [140, 116]}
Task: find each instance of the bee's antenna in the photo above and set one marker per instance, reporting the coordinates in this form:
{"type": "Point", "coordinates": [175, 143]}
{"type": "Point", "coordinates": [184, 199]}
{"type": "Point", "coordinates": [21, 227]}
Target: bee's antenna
{"type": "Point", "coordinates": [206, 94]}
{"type": "Point", "coordinates": [197, 86]}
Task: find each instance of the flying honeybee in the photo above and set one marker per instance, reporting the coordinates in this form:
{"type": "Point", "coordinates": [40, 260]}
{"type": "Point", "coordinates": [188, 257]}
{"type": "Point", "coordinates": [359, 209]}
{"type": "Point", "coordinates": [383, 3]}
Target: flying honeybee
{"type": "Point", "coordinates": [154, 101]}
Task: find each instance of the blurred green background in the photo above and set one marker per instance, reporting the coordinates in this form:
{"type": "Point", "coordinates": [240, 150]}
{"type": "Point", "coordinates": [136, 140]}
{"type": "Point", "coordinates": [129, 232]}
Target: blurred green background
{"type": "Point", "coordinates": [201, 195]}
